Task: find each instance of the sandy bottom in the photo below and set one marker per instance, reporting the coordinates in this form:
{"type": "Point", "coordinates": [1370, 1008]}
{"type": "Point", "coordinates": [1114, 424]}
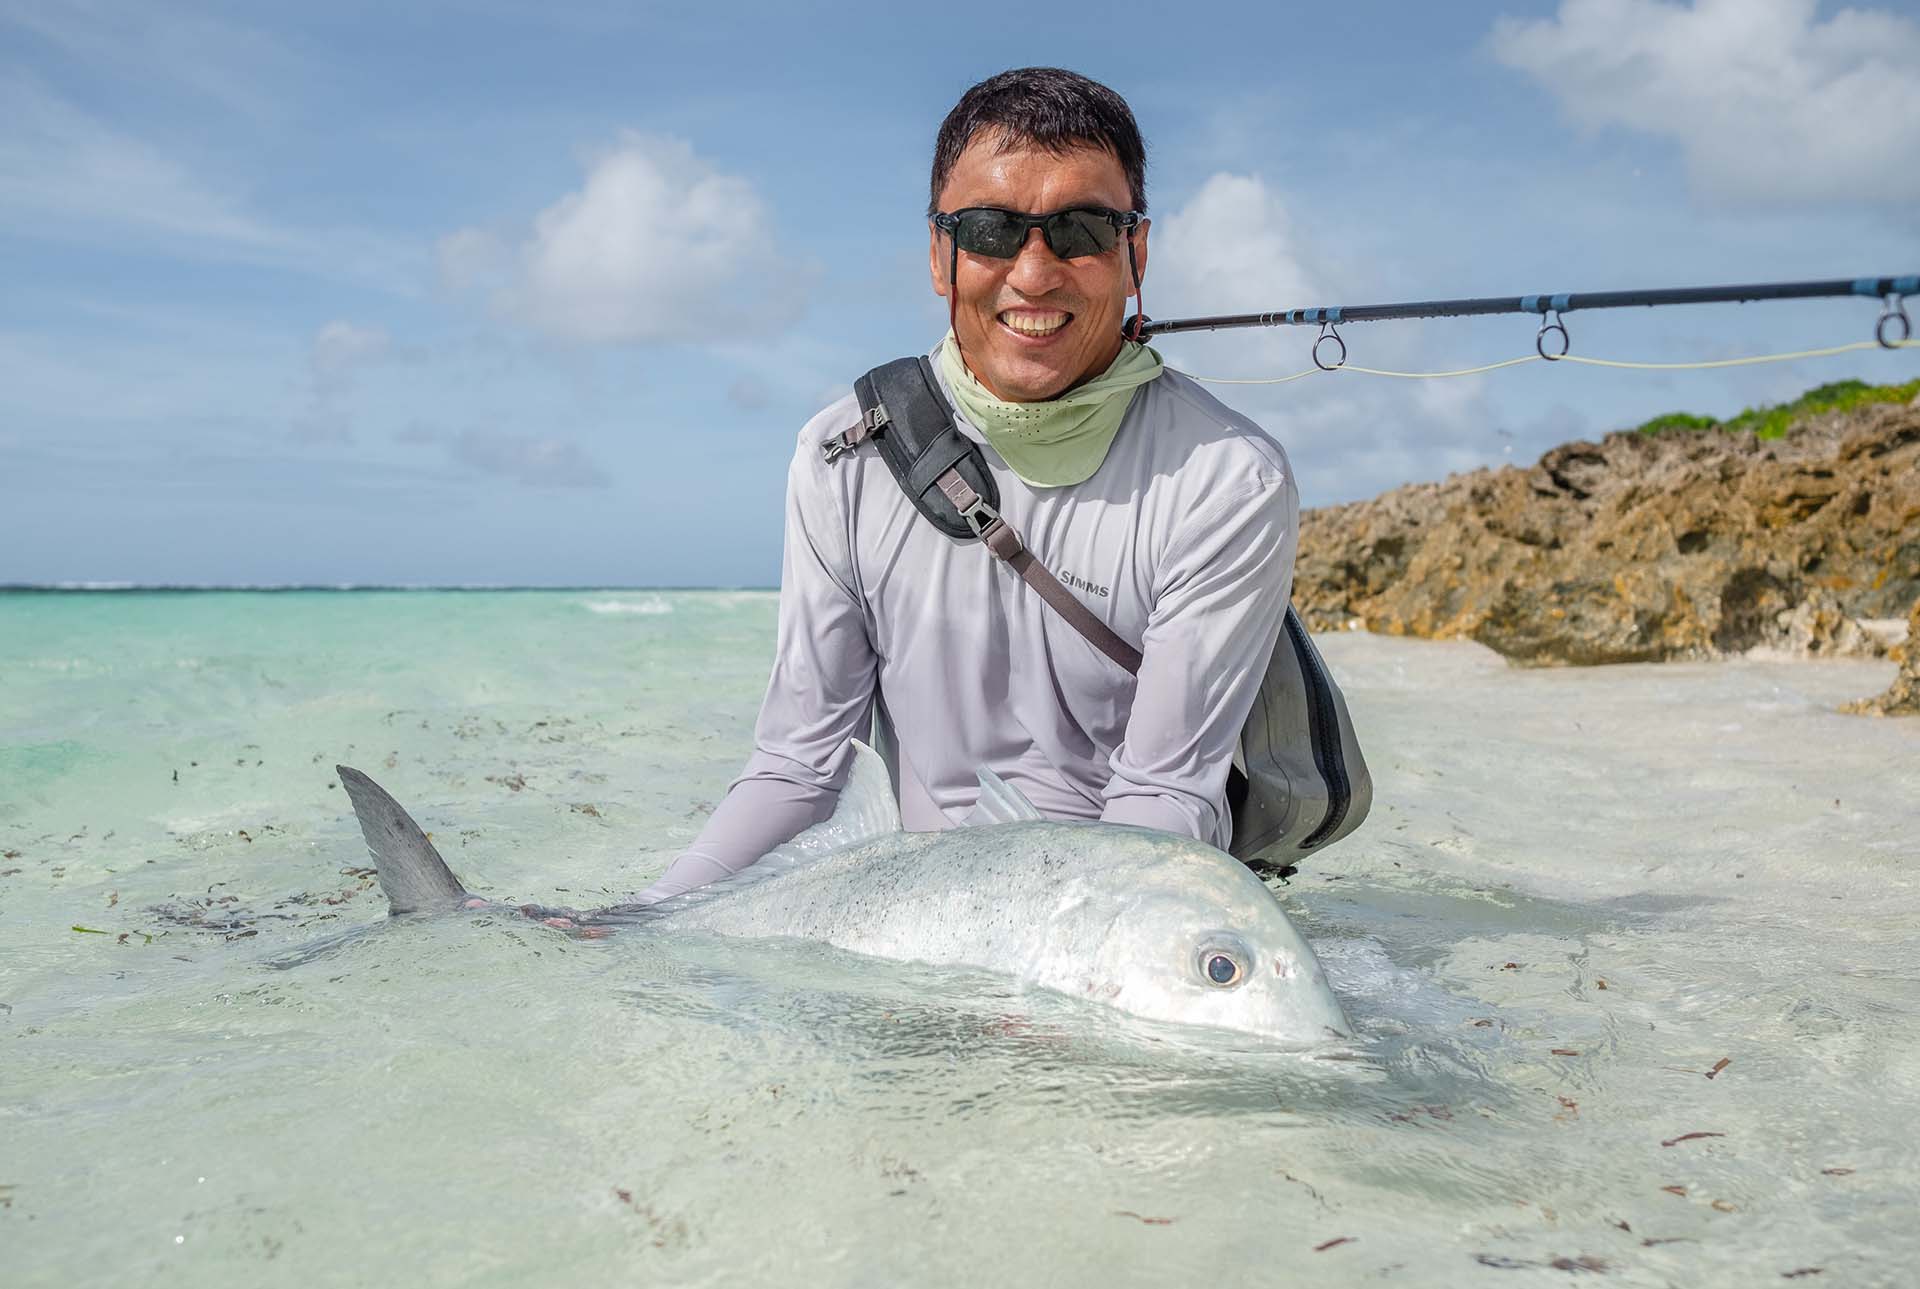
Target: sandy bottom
{"type": "Point", "coordinates": [1632, 950]}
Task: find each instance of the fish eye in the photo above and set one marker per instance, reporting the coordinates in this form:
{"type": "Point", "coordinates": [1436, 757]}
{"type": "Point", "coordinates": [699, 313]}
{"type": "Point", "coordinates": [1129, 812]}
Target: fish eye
{"type": "Point", "coordinates": [1223, 966]}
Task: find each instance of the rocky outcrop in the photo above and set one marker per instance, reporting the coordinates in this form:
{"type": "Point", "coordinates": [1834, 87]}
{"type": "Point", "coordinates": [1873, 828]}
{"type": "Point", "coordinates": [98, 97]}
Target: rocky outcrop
{"type": "Point", "coordinates": [1640, 547]}
{"type": "Point", "coordinates": [1903, 696]}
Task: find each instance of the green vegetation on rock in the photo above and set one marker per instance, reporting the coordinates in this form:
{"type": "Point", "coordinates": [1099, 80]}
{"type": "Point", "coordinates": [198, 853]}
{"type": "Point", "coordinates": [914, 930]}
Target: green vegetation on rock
{"type": "Point", "coordinates": [1678, 421]}
{"type": "Point", "coordinates": [1772, 422]}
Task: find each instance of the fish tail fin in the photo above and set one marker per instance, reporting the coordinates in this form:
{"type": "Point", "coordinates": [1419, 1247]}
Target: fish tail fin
{"type": "Point", "coordinates": [411, 871]}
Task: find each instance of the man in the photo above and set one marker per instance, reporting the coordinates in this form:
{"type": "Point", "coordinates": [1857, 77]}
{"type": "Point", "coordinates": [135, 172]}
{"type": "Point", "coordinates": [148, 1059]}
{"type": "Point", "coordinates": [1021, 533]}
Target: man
{"type": "Point", "coordinates": [1169, 515]}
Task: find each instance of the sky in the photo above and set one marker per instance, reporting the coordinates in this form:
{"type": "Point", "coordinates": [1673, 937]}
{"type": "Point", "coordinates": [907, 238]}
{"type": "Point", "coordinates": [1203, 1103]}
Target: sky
{"type": "Point", "coordinates": [515, 293]}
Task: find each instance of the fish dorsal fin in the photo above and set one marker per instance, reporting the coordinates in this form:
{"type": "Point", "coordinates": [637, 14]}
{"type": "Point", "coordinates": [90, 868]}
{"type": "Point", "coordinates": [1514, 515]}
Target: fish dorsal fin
{"type": "Point", "coordinates": [1000, 802]}
{"type": "Point", "coordinates": [410, 870]}
{"type": "Point", "coordinates": [866, 810]}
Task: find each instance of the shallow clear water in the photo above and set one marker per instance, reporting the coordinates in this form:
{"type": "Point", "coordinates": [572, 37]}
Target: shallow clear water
{"type": "Point", "coordinates": [1579, 894]}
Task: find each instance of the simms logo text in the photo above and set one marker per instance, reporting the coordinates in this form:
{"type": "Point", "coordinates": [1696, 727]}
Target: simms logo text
{"type": "Point", "coordinates": [1082, 584]}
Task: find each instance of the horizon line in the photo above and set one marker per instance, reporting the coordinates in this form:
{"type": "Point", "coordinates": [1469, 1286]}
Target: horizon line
{"type": "Point", "coordinates": [100, 588]}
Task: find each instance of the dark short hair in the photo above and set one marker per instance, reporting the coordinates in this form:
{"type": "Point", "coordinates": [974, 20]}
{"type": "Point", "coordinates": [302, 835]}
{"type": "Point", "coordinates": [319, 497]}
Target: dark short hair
{"type": "Point", "coordinates": [1048, 107]}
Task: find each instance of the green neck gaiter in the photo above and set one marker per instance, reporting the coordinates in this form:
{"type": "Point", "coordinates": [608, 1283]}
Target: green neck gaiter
{"type": "Point", "coordinates": [1060, 441]}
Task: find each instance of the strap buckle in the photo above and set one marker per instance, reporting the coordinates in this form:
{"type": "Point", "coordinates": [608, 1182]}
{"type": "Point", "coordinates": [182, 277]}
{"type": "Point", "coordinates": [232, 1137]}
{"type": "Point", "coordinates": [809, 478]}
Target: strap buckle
{"type": "Point", "coordinates": [980, 517]}
{"type": "Point", "coordinates": [871, 422]}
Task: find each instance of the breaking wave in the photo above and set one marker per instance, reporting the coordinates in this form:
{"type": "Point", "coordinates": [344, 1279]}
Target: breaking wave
{"type": "Point", "coordinates": [652, 604]}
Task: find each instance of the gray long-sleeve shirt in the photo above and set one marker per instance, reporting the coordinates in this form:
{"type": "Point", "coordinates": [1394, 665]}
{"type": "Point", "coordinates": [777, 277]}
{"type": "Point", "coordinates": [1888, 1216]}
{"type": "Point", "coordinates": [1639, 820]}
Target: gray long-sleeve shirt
{"type": "Point", "coordinates": [1183, 541]}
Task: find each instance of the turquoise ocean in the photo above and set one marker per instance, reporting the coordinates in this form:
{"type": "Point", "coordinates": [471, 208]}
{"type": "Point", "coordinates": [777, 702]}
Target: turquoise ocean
{"type": "Point", "coordinates": [1632, 952]}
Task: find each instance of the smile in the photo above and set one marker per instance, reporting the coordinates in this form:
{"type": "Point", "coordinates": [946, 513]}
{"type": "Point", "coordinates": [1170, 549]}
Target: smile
{"type": "Point", "coordinates": [1035, 322]}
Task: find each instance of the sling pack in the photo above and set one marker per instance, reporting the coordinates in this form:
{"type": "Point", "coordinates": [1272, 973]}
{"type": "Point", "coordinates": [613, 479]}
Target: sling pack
{"type": "Point", "coordinates": [1298, 780]}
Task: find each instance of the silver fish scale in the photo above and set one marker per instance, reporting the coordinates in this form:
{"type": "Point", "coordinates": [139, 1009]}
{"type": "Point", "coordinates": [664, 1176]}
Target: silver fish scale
{"type": "Point", "coordinates": [1122, 916]}
{"type": "Point", "coordinates": [989, 897]}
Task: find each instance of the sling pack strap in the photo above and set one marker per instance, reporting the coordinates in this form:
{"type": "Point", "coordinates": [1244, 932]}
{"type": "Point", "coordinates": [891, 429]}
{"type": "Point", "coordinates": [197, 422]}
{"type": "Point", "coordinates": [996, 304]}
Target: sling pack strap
{"type": "Point", "coordinates": [944, 474]}
{"type": "Point", "coordinates": [904, 416]}
{"type": "Point", "coordinates": [1300, 781]}
{"type": "Point", "coordinates": [1005, 543]}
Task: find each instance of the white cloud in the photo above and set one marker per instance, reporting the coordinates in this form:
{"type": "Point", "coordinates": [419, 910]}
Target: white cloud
{"type": "Point", "coordinates": [657, 245]}
{"type": "Point", "coordinates": [1232, 249]}
{"type": "Point", "coordinates": [1236, 247]}
{"type": "Point", "coordinates": [1768, 104]}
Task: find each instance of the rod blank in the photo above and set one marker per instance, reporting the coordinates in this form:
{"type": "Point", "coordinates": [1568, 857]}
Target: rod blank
{"type": "Point", "coordinates": [1879, 288]}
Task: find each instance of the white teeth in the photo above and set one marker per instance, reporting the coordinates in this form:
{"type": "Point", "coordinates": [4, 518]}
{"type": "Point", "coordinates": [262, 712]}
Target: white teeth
{"type": "Point", "coordinates": [1030, 324]}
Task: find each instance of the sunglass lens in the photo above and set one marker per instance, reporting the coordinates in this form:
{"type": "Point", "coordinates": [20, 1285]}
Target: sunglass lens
{"type": "Point", "coordinates": [1070, 234]}
{"type": "Point", "coordinates": [1074, 233]}
{"type": "Point", "coordinates": [995, 233]}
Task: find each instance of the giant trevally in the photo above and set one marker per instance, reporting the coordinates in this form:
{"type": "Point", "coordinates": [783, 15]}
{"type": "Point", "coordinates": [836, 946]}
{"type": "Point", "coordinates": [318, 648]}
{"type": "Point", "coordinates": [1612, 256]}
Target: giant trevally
{"type": "Point", "coordinates": [1158, 925]}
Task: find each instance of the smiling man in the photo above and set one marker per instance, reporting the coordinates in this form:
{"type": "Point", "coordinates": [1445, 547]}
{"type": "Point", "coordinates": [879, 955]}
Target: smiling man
{"type": "Point", "coordinates": [1168, 517]}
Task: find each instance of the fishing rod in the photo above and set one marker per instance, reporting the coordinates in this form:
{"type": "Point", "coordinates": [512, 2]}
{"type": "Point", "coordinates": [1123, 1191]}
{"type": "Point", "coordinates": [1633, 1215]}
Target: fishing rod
{"type": "Point", "coordinates": [1892, 291]}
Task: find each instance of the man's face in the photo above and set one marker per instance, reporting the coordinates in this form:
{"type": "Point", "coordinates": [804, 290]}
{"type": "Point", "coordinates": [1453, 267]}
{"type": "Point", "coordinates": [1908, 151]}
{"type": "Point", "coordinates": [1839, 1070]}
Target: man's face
{"type": "Point", "coordinates": [1034, 326]}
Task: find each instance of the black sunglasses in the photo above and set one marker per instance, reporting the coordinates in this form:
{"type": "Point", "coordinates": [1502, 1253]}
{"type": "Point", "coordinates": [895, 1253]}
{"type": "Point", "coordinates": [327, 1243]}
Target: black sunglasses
{"type": "Point", "coordinates": [1071, 234]}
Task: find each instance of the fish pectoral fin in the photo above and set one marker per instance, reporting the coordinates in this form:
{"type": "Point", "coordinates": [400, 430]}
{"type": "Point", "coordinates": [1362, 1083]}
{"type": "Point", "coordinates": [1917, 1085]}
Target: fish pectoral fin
{"type": "Point", "coordinates": [866, 810]}
{"type": "Point", "coordinates": [1000, 802]}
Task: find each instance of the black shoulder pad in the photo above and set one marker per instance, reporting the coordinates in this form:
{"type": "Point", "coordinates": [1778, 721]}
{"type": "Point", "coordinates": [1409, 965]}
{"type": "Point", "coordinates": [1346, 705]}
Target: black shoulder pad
{"type": "Point", "coordinates": [913, 430]}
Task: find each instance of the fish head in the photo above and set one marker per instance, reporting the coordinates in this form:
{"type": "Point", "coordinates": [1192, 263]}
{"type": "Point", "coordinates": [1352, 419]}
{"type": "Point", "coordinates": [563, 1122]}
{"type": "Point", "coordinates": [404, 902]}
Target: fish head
{"type": "Point", "coordinates": [1191, 936]}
